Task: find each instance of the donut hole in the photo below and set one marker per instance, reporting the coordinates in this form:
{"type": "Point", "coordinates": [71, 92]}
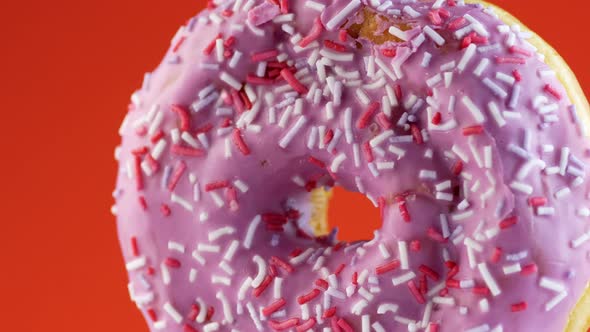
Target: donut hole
{"type": "Point", "coordinates": [353, 214]}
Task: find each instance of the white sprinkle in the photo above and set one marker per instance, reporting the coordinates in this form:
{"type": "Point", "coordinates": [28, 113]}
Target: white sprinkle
{"type": "Point", "coordinates": [337, 162]}
{"type": "Point", "coordinates": [555, 301]}
{"type": "Point", "coordinates": [315, 5]}
{"type": "Point", "coordinates": [235, 59]}
{"type": "Point", "coordinates": [243, 289]}
{"type": "Point", "coordinates": [475, 111]}
{"type": "Point", "coordinates": [284, 142]}
{"type": "Point", "coordinates": [253, 316]}
{"type": "Point", "coordinates": [344, 13]}
{"type": "Point", "coordinates": [483, 64]}
{"type": "Point", "coordinates": [580, 240]}
{"type": "Point", "coordinates": [522, 187]}
{"type": "Point", "coordinates": [511, 269]}
{"type": "Point", "coordinates": [563, 192]}
{"type": "Point", "coordinates": [251, 230]}
{"type": "Point", "coordinates": [377, 140]}
{"type": "Point", "coordinates": [398, 33]}
{"type": "Point", "coordinates": [411, 12]}
{"type": "Point", "coordinates": [551, 284]}
{"type": "Point", "coordinates": [403, 278]}
{"type": "Point", "coordinates": [231, 250]}
{"type": "Point", "coordinates": [176, 246]}
{"type": "Point", "coordinates": [467, 56]}
{"type": "Point", "coordinates": [136, 264]}
{"type": "Point", "coordinates": [403, 254]}
{"type": "Point", "coordinates": [514, 97]}
{"type": "Point", "coordinates": [444, 300]}
{"type": "Point", "coordinates": [170, 310]}
{"type": "Point", "coordinates": [436, 38]}
{"type": "Point", "coordinates": [496, 89]}
{"type": "Point", "coordinates": [460, 153]}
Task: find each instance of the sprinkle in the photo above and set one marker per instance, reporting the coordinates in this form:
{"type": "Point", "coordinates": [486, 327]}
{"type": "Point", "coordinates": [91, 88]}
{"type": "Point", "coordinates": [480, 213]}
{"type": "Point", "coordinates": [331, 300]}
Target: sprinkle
{"type": "Point", "coordinates": [230, 80]}
{"type": "Point", "coordinates": [467, 56]}
{"type": "Point", "coordinates": [293, 82]}
{"type": "Point", "coordinates": [343, 14]}
{"type": "Point", "coordinates": [250, 232]}
{"type": "Point", "coordinates": [170, 310]}
{"type": "Point", "coordinates": [286, 140]}
{"type": "Point", "coordinates": [489, 279]}
{"type": "Point", "coordinates": [475, 111]}
{"type": "Point", "coordinates": [552, 91]}
{"type": "Point", "coordinates": [496, 89]}
{"type": "Point", "coordinates": [555, 301]}
{"type": "Point", "coordinates": [520, 306]}
{"type": "Point", "coordinates": [436, 38]}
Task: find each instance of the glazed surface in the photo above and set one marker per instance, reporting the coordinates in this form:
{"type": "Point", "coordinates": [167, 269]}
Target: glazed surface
{"type": "Point", "coordinates": [455, 129]}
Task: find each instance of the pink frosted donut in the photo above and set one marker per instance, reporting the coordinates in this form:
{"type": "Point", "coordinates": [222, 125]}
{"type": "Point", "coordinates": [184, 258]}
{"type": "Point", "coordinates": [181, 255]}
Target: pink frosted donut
{"type": "Point", "coordinates": [448, 121]}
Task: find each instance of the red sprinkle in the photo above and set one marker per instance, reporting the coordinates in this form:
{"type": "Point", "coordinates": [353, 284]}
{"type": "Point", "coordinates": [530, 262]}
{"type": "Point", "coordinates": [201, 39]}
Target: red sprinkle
{"type": "Point", "coordinates": [436, 119]}
{"type": "Point", "coordinates": [316, 162]}
{"type": "Point", "coordinates": [537, 201]}
{"type": "Point", "coordinates": [457, 168]}
{"type": "Point", "coordinates": [188, 328]}
{"type": "Point", "coordinates": [284, 325]}
{"type": "Point", "coordinates": [517, 75]}
{"type": "Point", "coordinates": [187, 151]}
{"type": "Point", "coordinates": [264, 55]}
{"type": "Point", "coordinates": [389, 52]}
{"type": "Point", "coordinates": [510, 60]}
{"type": "Point", "coordinates": [178, 171]}
{"type": "Point", "coordinates": [328, 136]}
{"type": "Point", "coordinates": [456, 24]}
{"type": "Point", "coordinates": [239, 142]}
{"type": "Point", "coordinates": [142, 202]}
{"type": "Point", "coordinates": [314, 34]}
{"type": "Point", "coordinates": [329, 312]}
{"type": "Point", "coordinates": [552, 91]}
{"type": "Point", "coordinates": [481, 290]}
{"type": "Point", "coordinates": [473, 130]}
{"type": "Point", "coordinates": [355, 278]}
{"type": "Point", "coordinates": [282, 264]}
{"type": "Point", "coordinates": [519, 50]}
{"type": "Point", "coordinates": [415, 245]}
{"type": "Point", "coordinates": [209, 49]}
{"type": "Point", "coordinates": [434, 17]}
{"type": "Point", "coordinates": [435, 235]}
{"type": "Point", "coordinates": [345, 325]}
{"type": "Point", "coordinates": [334, 46]}
{"type": "Point", "coordinates": [496, 255]}
{"type": "Point", "coordinates": [293, 82]}
{"type": "Point", "coordinates": [368, 152]}
{"type": "Point", "coordinates": [433, 327]}
{"type": "Point", "coordinates": [273, 307]}
{"type": "Point", "coordinates": [134, 248]}
{"type": "Point", "coordinates": [417, 134]}
{"type": "Point", "coordinates": [529, 269]}
{"type": "Point", "coordinates": [342, 35]}
{"type": "Point", "coordinates": [321, 283]}
{"type": "Point", "coordinates": [508, 222]}
{"type": "Point", "coordinates": [216, 185]}
{"type": "Point", "coordinates": [363, 121]}
{"type": "Point", "coordinates": [172, 262]}
{"type": "Point", "coordinates": [308, 297]}
{"type": "Point", "coordinates": [307, 325]}
{"type": "Point", "coordinates": [138, 172]}
{"type": "Point", "coordinates": [429, 272]}
{"type": "Point", "coordinates": [403, 210]}
{"type": "Point", "coordinates": [416, 292]}
{"type": "Point", "coordinates": [387, 267]}
{"type": "Point", "coordinates": [152, 314]}
{"type": "Point", "coordinates": [263, 286]}
{"type": "Point", "coordinates": [284, 6]}
{"type": "Point", "coordinates": [520, 306]}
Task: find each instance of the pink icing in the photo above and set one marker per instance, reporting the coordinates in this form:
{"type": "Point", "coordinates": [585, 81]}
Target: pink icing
{"type": "Point", "coordinates": [479, 172]}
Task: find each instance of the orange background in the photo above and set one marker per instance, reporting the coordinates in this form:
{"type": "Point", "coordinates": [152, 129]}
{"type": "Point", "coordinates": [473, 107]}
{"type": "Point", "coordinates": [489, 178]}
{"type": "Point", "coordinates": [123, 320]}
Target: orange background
{"type": "Point", "coordinates": [68, 68]}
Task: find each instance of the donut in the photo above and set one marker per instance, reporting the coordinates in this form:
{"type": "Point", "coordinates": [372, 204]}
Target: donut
{"type": "Point", "coordinates": [465, 130]}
